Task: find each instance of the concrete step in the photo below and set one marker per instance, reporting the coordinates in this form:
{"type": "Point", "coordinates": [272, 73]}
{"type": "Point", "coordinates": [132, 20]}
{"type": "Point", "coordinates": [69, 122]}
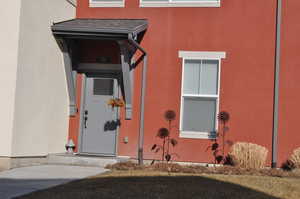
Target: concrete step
{"type": "Point", "coordinates": [79, 160]}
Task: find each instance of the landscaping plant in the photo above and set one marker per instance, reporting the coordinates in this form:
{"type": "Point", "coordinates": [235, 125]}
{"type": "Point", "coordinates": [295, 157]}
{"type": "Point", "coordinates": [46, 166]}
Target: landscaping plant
{"type": "Point", "coordinates": [223, 117]}
{"type": "Point", "coordinates": [167, 140]}
{"type": "Point", "coordinates": [294, 161]}
{"type": "Point", "coordinates": [248, 155]}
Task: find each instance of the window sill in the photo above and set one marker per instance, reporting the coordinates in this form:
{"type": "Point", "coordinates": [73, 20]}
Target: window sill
{"type": "Point", "coordinates": [180, 4]}
{"type": "Point", "coordinates": [107, 4]}
{"type": "Point", "coordinates": [197, 135]}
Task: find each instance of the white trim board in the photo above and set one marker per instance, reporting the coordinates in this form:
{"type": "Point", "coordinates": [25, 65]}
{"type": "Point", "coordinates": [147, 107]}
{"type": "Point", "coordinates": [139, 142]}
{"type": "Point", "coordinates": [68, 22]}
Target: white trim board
{"type": "Point", "coordinates": [196, 135]}
{"type": "Point", "coordinates": [171, 3]}
{"type": "Point", "coordinates": [96, 4]}
{"type": "Point", "coordinates": [201, 54]}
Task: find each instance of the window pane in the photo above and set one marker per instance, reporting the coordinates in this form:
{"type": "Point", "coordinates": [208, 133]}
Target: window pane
{"type": "Point", "coordinates": [191, 76]}
{"type": "Point", "coordinates": [209, 77]}
{"type": "Point", "coordinates": [199, 114]}
{"type": "Point", "coordinates": [103, 87]}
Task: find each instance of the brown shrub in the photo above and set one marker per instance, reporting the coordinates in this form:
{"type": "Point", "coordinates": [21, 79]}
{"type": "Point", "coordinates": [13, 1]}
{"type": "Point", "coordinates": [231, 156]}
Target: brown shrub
{"type": "Point", "coordinates": [295, 158]}
{"type": "Point", "coordinates": [124, 166]}
{"type": "Point", "coordinates": [248, 155]}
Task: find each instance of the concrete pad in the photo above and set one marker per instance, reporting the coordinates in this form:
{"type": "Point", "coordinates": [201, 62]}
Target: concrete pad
{"type": "Point", "coordinates": [20, 181]}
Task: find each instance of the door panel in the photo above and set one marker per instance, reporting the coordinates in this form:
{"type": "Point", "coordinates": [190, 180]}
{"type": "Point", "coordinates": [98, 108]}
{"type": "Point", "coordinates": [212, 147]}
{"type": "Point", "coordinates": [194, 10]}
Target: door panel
{"type": "Point", "coordinates": [99, 120]}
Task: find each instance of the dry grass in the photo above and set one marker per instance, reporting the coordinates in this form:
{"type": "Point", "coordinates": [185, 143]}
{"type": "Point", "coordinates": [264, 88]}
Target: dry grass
{"type": "Point", "coordinates": [295, 158]}
{"type": "Point", "coordinates": [141, 184]}
{"type": "Point", "coordinates": [248, 155]}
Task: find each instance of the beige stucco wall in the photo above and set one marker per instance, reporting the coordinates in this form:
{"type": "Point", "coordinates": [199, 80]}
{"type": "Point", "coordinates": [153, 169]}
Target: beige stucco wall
{"type": "Point", "coordinates": [41, 105]}
{"type": "Point", "coordinates": [9, 37]}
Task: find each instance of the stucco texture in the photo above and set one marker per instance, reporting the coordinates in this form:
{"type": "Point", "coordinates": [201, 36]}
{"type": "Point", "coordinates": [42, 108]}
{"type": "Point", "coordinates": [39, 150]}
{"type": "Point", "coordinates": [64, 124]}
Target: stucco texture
{"type": "Point", "coordinates": [41, 105]}
{"type": "Point", "coordinates": [245, 30]}
{"type": "Point", "coordinates": [9, 39]}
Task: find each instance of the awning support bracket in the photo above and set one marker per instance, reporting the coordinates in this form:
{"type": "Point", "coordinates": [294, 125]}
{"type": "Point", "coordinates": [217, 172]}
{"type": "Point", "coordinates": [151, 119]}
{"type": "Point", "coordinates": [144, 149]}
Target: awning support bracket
{"type": "Point", "coordinates": [125, 61]}
{"type": "Point", "coordinates": [71, 80]}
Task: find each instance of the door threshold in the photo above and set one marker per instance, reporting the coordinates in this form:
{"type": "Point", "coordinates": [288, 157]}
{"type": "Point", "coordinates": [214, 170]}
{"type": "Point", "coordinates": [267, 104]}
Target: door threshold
{"type": "Point", "coordinates": [96, 155]}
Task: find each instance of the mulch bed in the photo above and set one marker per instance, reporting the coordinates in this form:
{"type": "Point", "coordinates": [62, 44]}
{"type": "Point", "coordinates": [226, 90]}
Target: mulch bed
{"type": "Point", "coordinates": [195, 169]}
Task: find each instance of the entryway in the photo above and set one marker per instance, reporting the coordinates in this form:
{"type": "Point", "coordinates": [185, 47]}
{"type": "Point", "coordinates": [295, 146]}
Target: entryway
{"type": "Point", "coordinates": [103, 47]}
{"type": "Point", "coordinates": [99, 120]}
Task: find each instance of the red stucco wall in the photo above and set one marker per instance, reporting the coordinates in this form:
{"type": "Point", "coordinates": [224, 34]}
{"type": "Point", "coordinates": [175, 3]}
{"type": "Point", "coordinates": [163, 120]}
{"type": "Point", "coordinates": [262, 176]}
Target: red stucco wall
{"type": "Point", "coordinates": [74, 121]}
{"type": "Point", "coordinates": [289, 133]}
{"type": "Point", "coordinates": [245, 30]}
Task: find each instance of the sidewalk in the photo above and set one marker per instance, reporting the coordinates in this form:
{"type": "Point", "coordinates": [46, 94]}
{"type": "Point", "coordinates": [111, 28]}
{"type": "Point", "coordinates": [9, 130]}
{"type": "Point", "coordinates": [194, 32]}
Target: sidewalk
{"type": "Point", "coordinates": [20, 181]}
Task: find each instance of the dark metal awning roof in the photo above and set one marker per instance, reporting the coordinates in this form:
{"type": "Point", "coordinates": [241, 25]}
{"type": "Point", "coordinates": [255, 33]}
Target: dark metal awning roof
{"type": "Point", "coordinates": [98, 26]}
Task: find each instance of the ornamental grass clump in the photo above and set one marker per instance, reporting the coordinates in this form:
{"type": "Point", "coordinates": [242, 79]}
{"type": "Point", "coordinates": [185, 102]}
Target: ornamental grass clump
{"type": "Point", "coordinates": [248, 155]}
{"type": "Point", "coordinates": [295, 158]}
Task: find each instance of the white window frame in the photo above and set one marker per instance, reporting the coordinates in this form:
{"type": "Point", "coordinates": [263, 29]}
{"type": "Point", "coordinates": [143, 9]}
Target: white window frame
{"type": "Point", "coordinates": [107, 3]}
{"type": "Point", "coordinates": [172, 3]}
{"type": "Point", "coordinates": [200, 55]}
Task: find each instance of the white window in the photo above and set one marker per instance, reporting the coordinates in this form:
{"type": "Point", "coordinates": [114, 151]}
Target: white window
{"type": "Point", "coordinates": [107, 3]}
{"type": "Point", "coordinates": [200, 93]}
{"type": "Point", "coordinates": [180, 3]}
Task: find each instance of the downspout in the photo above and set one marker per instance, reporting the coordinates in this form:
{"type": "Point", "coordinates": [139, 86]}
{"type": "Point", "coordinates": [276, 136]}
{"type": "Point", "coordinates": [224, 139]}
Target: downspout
{"type": "Point", "coordinates": [276, 84]}
{"type": "Point", "coordinates": [142, 98]}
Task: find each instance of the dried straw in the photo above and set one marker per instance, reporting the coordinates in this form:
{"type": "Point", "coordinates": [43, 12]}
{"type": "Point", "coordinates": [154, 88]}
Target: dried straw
{"type": "Point", "coordinates": [295, 157]}
{"type": "Point", "coordinates": [248, 155]}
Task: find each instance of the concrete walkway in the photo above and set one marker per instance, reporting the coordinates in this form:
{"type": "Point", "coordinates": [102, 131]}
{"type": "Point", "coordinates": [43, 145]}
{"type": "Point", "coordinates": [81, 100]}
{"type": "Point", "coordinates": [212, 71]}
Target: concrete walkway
{"type": "Point", "coordinates": [20, 181]}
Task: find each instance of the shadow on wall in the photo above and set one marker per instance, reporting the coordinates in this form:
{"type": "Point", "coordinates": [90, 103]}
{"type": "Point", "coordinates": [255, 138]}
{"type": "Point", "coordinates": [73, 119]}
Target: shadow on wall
{"type": "Point", "coordinates": [112, 125]}
{"type": "Point", "coordinates": [148, 187]}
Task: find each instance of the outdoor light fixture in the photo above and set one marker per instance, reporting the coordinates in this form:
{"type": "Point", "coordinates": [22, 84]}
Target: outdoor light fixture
{"type": "Point", "coordinates": [70, 146]}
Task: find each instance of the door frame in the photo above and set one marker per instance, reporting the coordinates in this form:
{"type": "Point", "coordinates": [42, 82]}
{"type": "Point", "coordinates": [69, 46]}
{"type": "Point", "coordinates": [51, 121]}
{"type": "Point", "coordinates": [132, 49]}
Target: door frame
{"type": "Point", "coordinates": [81, 115]}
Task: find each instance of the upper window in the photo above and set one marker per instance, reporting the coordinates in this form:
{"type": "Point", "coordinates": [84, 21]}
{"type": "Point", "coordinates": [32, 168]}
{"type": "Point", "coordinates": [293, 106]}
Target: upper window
{"type": "Point", "coordinates": [107, 3]}
{"type": "Point", "coordinates": [180, 3]}
{"type": "Point", "coordinates": [200, 94]}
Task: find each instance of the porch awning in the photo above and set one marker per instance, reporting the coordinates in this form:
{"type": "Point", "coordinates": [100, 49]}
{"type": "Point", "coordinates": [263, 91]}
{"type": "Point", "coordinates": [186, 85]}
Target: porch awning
{"type": "Point", "coordinates": [97, 27]}
{"type": "Point", "coordinates": [126, 33]}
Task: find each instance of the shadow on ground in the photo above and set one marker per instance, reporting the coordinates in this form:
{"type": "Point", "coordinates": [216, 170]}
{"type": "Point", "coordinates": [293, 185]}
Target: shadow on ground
{"type": "Point", "coordinates": [149, 187]}
{"type": "Point", "coordinates": [10, 188]}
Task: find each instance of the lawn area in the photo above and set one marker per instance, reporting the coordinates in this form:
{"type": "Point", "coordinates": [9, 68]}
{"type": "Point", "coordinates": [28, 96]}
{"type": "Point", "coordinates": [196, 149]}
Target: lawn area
{"type": "Point", "coordinates": [141, 184]}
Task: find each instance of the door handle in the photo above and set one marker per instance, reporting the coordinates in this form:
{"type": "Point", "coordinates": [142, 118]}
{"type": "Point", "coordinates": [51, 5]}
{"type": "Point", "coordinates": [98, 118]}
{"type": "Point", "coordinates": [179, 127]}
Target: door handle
{"type": "Point", "coordinates": [85, 121]}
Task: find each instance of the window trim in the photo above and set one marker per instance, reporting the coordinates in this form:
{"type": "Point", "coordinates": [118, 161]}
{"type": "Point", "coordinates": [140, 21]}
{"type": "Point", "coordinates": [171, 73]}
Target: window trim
{"type": "Point", "coordinates": [107, 3]}
{"type": "Point", "coordinates": [200, 55]}
{"type": "Point", "coordinates": [172, 3]}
